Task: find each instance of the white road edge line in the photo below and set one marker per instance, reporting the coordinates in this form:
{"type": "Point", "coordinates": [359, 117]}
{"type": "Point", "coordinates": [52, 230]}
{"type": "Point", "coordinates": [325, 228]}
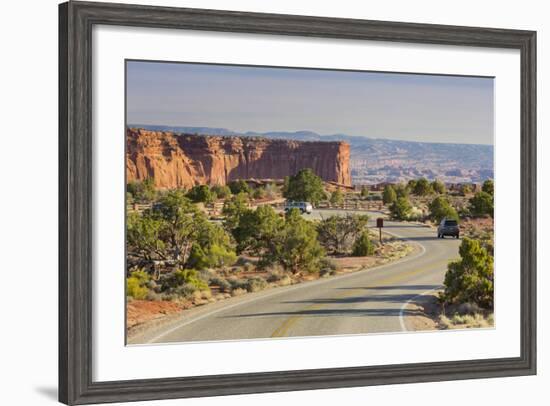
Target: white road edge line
{"type": "Point", "coordinates": [402, 310]}
{"type": "Point", "coordinates": [298, 286]}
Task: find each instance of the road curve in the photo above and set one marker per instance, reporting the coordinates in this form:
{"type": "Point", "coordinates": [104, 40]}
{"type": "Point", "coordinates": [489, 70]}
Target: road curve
{"type": "Point", "coordinates": [370, 301]}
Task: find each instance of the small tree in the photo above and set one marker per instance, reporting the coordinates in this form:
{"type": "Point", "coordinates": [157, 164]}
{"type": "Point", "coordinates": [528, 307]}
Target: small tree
{"type": "Point", "coordinates": [337, 233]}
{"type": "Point", "coordinates": [401, 190]}
{"type": "Point", "coordinates": [422, 187]}
{"type": "Point", "coordinates": [142, 192]}
{"type": "Point", "coordinates": [258, 230]}
{"type": "Point", "coordinates": [470, 279]}
{"type": "Point", "coordinates": [201, 194]}
{"type": "Point", "coordinates": [222, 192]}
{"type": "Point", "coordinates": [465, 189]}
{"type": "Point", "coordinates": [363, 246]}
{"type": "Point", "coordinates": [337, 198]}
{"type": "Point", "coordinates": [401, 209]}
{"type": "Point", "coordinates": [298, 249]}
{"type": "Point", "coordinates": [233, 209]}
{"type": "Point", "coordinates": [364, 192]}
{"type": "Point", "coordinates": [258, 193]}
{"type": "Point", "coordinates": [482, 204]}
{"type": "Point", "coordinates": [389, 196]}
{"type": "Point", "coordinates": [239, 186]}
{"type": "Point", "coordinates": [304, 186]}
{"type": "Point", "coordinates": [411, 184]}
{"type": "Point", "coordinates": [440, 209]}
{"type": "Point", "coordinates": [439, 187]}
{"type": "Point", "coordinates": [489, 187]}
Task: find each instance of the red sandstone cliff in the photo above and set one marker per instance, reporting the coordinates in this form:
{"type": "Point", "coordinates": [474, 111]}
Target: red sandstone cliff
{"type": "Point", "coordinates": [185, 160]}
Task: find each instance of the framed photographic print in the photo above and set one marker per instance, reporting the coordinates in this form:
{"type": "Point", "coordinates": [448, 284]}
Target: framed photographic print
{"type": "Point", "coordinates": [257, 202]}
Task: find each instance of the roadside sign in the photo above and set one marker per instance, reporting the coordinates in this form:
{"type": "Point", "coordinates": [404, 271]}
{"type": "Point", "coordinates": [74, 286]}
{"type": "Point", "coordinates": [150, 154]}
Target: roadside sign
{"type": "Point", "coordinates": [380, 224]}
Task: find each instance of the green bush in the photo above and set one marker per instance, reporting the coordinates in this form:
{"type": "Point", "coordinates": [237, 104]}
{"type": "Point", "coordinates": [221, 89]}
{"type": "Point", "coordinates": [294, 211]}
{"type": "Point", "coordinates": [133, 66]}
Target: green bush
{"type": "Point", "coordinates": [255, 284]}
{"type": "Point", "coordinates": [201, 194]}
{"type": "Point", "coordinates": [221, 192]}
{"type": "Point", "coordinates": [191, 278]}
{"type": "Point", "coordinates": [136, 285]}
{"type": "Point", "coordinates": [470, 279]}
{"type": "Point", "coordinates": [422, 187]}
{"type": "Point", "coordinates": [304, 186]}
{"type": "Point", "coordinates": [389, 196]}
{"type": "Point", "coordinates": [439, 187]}
{"type": "Point", "coordinates": [482, 204]}
{"type": "Point", "coordinates": [259, 193]}
{"type": "Point", "coordinates": [239, 186]}
{"type": "Point", "coordinates": [400, 209]}
{"type": "Point", "coordinates": [363, 246]}
{"type": "Point", "coordinates": [142, 192]}
{"type": "Point", "coordinates": [337, 197]}
{"type": "Point", "coordinates": [440, 208]}
{"type": "Point", "coordinates": [222, 283]}
{"type": "Point", "coordinates": [489, 187]}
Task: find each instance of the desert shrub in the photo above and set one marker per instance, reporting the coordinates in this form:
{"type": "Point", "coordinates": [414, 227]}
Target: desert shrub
{"type": "Point", "coordinates": [297, 248]}
{"type": "Point", "coordinates": [239, 186]}
{"type": "Point", "coordinates": [237, 283]}
{"type": "Point", "coordinates": [363, 246]}
{"type": "Point", "coordinates": [275, 276]}
{"type": "Point", "coordinates": [211, 256]}
{"type": "Point", "coordinates": [400, 209]}
{"type": "Point", "coordinates": [185, 278]}
{"type": "Point", "coordinates": [141, 192]}
{"type": "Point", "coordinates": [201, 194]}
{"type": "Point", "coordinates": [470, 279]}
{"type": "Point", "coordinates": [238, 292]}
{"type": "Point", "coordinates": [255, 284]}
{"type": "Point", "coordinates": [259, 193]}
{"type": "Point", "coordinates": [482, 204]}
{"type": "Point", "coordinates": [439, 187]}
{"type": "Point", "coordinates": [327, 264]}
{"type": "Point", "coordinates": [337, 197]}
{"type": "Point", "coordinates": [136, 285]}
{"type": "Point", "coordinates": [206, 274]}
{"type": "Point", "coordinates": [440, 209]}
{"type": "Point", "coordinates": [489, 187]}
{"type": "Point", "coordinates": [222, 283]}
{"type": "Point", "coordinates": [152, 295]}
{"type": "Point", "coordinates": [338, 233]}
{"type": "Point", "coordinates": [221, 192]}
{"type": "Point", "coordinates": [416, 214]}
{"type": "Point", "coordinates": [389, 195]}
{"type": "Point", "coordinates": [422, 187]}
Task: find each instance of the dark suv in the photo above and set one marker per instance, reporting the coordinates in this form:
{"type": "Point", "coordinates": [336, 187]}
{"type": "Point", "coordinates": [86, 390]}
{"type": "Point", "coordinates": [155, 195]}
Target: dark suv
{"type": "Point", "coordinates": [448, 227]}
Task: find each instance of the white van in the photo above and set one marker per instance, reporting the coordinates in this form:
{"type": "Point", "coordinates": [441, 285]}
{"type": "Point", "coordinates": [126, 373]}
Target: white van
{"type": "Point", "coordinates": [304, 207]}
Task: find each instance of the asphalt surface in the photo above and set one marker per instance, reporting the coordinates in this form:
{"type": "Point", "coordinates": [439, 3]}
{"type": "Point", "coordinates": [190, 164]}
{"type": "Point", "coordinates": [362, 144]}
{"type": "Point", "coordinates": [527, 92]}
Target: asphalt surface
{"type": "Point", "coordinates": [375, 300]}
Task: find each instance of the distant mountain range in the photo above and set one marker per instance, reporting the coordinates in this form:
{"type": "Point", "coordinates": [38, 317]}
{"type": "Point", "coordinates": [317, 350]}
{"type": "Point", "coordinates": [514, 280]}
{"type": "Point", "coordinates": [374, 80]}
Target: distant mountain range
{"type": "Point", "coordinates": [375, 160]}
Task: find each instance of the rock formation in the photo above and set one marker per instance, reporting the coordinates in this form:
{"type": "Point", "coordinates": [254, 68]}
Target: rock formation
{"type": "Point", "coordinates": [184, 160]}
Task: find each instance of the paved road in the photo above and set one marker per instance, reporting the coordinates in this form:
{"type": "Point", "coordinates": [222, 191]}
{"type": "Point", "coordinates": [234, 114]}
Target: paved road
{"type": "Point", "coordinates": [370, 301]}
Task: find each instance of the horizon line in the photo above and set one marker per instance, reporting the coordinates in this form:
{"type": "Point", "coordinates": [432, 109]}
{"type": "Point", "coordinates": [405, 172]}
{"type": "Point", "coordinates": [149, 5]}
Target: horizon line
{"type": "Point", "coordinates": [237, 133]}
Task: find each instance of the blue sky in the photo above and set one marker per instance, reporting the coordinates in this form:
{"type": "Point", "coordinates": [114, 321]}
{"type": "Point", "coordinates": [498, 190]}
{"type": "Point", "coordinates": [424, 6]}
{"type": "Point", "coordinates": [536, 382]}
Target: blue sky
{"type": "Point", "coordinates": [428, 108]}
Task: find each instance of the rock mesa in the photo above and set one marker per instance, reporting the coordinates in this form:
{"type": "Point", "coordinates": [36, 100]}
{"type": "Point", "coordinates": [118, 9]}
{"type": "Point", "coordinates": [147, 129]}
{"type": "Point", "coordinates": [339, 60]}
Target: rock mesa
{"type": "Point", "coordinates": [184, 160]}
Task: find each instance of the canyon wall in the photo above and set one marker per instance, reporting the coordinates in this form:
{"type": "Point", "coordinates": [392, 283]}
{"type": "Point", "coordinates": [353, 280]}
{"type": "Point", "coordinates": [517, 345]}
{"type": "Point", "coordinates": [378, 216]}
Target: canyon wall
{"type": "Point", "coordinates": [185, 160]}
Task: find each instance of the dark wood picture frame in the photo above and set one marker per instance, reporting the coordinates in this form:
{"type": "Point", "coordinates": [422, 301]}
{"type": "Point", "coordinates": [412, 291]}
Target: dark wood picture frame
{"type": "Point", "coordinates": [76, 20]}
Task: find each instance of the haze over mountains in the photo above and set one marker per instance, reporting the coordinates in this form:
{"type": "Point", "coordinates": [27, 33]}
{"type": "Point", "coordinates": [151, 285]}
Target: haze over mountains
{"type": "Point", "coordinates": [375, 160]}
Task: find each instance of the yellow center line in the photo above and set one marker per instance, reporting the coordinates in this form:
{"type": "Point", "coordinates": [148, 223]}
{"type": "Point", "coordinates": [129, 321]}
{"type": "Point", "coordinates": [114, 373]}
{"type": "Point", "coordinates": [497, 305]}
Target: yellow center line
{"type": "Point", "coordinates": [284, 328]}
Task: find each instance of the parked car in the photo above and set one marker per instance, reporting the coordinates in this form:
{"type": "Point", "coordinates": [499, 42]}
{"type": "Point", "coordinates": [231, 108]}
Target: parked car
{"type": "Point", "coordinates": [304, 207]}
{"type": "Point", "coordinates": [448, 227]}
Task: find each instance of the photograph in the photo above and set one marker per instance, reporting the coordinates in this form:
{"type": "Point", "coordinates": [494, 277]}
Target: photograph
{"type": "Point", "coordinates": [268, 202]}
